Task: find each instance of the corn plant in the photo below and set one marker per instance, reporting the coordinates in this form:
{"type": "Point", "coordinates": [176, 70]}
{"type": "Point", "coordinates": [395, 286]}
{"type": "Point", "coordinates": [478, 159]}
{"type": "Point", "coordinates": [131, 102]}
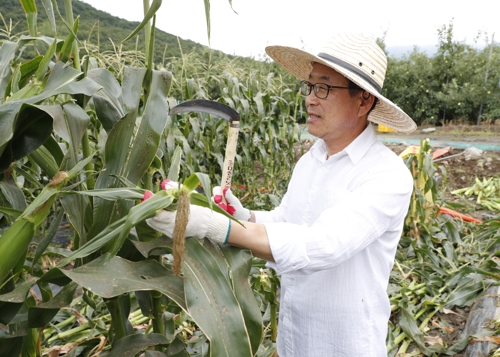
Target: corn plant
{"type": "Point", "coordinates": [84, 145]}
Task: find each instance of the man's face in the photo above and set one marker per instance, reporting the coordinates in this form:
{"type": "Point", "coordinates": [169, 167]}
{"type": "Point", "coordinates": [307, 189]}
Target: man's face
{"type": "Point", "coordinates": [335, 119]}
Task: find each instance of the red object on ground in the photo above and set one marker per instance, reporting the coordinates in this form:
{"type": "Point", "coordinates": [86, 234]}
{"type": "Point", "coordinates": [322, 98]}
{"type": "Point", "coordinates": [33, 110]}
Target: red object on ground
{"type": "Point", "coordinates": [464, 217]}
{"type": "Point", "coordinates": [440, 152]}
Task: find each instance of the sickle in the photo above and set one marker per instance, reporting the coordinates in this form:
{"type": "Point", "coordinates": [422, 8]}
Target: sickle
{"type": "Point", "coordinates": [222, 111]}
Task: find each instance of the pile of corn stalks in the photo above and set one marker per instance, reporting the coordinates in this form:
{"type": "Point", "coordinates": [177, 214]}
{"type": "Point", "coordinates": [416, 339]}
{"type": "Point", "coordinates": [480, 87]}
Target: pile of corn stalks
{"type": "Point", "coordinates": [487, 193]}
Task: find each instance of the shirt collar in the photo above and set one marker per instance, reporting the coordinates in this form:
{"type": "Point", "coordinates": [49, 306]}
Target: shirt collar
{"type": "Point", "coordinates": [355, 150]}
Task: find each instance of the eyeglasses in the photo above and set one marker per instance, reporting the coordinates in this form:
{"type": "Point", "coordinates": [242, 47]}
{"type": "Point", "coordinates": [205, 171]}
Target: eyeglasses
{"type": "Point", "coordinates": [321, 90]}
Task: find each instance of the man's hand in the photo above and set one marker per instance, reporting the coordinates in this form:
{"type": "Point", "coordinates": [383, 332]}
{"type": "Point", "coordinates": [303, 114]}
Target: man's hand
{"type": "Point", "coordinates": [233, 207]}
{"type": "Point", "coordinates": [203, 223]}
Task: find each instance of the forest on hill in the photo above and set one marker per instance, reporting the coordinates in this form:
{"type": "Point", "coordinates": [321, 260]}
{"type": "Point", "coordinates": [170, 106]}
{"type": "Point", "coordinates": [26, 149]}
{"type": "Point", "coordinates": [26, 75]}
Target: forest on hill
{"type": "Point", "coordinates": [100, 29]}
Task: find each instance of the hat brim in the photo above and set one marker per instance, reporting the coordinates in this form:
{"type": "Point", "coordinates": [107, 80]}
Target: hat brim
{"type": "Point", "coordinates": [300, 63]}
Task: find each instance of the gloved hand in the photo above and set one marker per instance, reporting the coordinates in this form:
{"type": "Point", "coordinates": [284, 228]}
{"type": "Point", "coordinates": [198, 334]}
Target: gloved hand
{"type": "Point", "coordinates": [203, 223]}
{"type": "Point", "coordinates": [169, 184]}
{"type": "Point", "coordinates": [233, 207]}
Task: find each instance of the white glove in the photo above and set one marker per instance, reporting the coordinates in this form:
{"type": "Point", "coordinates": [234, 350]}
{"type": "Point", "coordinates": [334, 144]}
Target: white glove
{"type": "Point", "coordinates": [203, 223]}
{"type": "Point", "coordinates": [169, 184]}
{"type": "Point", "coordinates": [233, 207]}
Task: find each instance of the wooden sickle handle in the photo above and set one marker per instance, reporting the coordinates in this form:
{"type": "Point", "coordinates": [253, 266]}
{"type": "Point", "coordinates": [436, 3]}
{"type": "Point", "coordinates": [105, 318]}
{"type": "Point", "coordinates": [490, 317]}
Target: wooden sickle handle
{"type": "Point", "coordinates": [227, 169]}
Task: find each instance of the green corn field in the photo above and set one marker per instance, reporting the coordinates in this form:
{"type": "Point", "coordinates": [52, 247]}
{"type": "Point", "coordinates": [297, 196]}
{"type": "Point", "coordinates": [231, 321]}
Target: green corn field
{"type": "Point", "coordinates": [84, 134]}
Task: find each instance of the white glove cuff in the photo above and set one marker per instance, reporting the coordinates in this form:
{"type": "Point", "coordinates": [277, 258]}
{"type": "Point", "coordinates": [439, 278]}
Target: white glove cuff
{"type": "Point", "coordinates": [218, 228]}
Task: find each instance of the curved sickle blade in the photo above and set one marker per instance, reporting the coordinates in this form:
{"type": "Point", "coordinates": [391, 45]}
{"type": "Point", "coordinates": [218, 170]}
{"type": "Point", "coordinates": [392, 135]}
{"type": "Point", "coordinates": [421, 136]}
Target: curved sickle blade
{"type": "Point", "coordinates": [223, 111]}
{"type": "Point", "coordinates": [207, 106]}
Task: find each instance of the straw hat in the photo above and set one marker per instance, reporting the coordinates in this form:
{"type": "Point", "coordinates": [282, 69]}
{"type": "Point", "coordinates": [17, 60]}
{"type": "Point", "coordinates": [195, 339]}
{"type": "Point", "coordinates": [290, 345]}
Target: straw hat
{"type": "Point", "coordinates": [360, 59]}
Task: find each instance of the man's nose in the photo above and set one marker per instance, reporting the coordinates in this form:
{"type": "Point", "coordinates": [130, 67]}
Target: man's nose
{"type": "Point", "coordinates": [311, 99]}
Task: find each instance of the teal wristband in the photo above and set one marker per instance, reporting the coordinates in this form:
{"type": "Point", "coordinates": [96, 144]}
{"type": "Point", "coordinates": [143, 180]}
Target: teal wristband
{"type": "Point", "coordinates": [228, 231]}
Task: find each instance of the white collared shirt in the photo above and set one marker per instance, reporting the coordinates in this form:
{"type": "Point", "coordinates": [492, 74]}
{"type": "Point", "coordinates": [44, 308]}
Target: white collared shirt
{"type": "Point", "coordinates": [334, 238]}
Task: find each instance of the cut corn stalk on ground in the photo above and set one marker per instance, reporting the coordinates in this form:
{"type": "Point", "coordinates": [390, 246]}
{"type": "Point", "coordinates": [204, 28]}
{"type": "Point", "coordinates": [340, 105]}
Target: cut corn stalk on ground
{"type": "Point", "coordinates": [486, 191]}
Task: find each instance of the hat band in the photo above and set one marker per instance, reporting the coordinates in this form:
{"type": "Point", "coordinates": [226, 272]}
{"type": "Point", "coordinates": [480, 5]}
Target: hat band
{"type": "Point", "coordinates": [351, 68]}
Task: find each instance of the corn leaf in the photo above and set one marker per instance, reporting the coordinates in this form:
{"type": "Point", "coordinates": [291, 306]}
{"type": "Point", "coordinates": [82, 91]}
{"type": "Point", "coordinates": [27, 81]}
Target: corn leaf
{"type": "Point", "coordinates": [14, 300]}
{"type": "Point", "coordinates": [11, 212]}
{"type": "Point", "coordinates": [237, 264]}
{"type": "Point", "coordinates": [119, 229]}
{"type": "Point", "coordinates": [42, 314]}
{"type": "Point", "coordinates": [175, 165]}
{"type": "Point", "coordinates": [41, 200]}
{"type": "Point", "coordinates": [130, 346]}
{"type": "Point", "coordinates": [49, 10]}
{"type": "Point", "coordinates": [12, 347]}
{"type": "Point", "coordinates": [68, 26]}
{"type": "Point", "coordinates": [112, 194]}
{"type": "Point", "coordinates": [207, 17]}
{"type": "Point", "coordinates": [62, 79]}
{"type": "Point", "coordinates": [47, 238]}
{"type": "Point", "coordinates": [78, 213]}
{"type": "Point", "coordinates": [409, 326]}
{"type": "Point", "coordinates": [139, 213]}
{"type": "Point", "coordinates": [67, 48]}
{"type": "Point", "coordinates": [212, 304]}
{"type": "Point", "coordinates": [29, 7]}
{"type": "Point", "coordinates": [76, 170]}
{"type": "Point", "coordinates": [160, 245]}
{"type": "Point", "coordinates": [13, 194]}
{"type": "Point", "coordinates": [466, 294]}
{"type": "Point", "coordinates": [149, 15]}
{"type": "Point", "coordinates": [108, 101]}
{"type": "Point", "coordinates": [99, 241]}
{"type": "Point", "coordinates": [109, 278]}
{"type": "Point", "coordinates": [7, 54]}
{"type": "Point", "coordinates": [132, 144]}
{"type": "Point", "coordinates": [74, 125]}
{"type": "Point", "coordinates": [24, 128]}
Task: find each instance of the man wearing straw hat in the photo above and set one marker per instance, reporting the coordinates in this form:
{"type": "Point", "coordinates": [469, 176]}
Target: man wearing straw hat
{"type": "Point", "coordinates": [334, 236]}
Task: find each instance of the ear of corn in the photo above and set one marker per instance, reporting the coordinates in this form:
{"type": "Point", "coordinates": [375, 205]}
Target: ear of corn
{"type": "Point", "coordinates": [13, 243]}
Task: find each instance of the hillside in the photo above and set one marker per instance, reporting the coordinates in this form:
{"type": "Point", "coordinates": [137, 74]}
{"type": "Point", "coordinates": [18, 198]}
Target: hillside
{"type": "Point", "coordinates": [98, 28]}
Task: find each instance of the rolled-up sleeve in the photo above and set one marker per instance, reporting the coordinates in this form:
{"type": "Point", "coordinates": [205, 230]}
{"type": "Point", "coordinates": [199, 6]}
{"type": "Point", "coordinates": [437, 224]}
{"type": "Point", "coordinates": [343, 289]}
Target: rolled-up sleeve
{"type": "Point", "coordinates": [378, 204]}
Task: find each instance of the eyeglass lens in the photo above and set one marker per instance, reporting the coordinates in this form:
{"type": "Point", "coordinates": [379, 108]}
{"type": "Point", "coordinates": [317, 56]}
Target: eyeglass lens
{"type": "Point", "coordinates": [320, 89]}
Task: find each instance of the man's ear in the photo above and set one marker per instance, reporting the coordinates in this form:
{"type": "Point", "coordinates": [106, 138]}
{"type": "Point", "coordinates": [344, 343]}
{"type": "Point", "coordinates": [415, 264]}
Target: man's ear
{"type": "Point", "coordinates": [366, 103]}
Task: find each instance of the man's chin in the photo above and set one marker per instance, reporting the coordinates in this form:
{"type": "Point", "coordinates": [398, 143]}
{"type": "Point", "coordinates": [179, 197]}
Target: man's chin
{"type": "Point", "coordinates": [311, 129]}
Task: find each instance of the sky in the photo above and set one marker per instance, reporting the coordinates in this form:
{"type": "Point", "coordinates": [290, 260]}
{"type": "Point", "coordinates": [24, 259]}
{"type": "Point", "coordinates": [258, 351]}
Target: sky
{"type": "Point", "coordinates": [248, 26]}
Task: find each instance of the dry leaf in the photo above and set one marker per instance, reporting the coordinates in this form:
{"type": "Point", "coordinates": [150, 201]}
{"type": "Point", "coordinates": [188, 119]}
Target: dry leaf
{"type": "Point", "coordinates": [447, 312]}
{"type": "Point", "coordinates": [447, 329]}
{"type": "Point", "coordinates": [79, 317]}
{"type": "Point", "coordinates": [101, 346]}
{"type": "Point", "coordinates": [54, 351]}
{"type": "Point", "coordinates": [494, 339]}
{"type": "Point", "coordinates": [434, 340]}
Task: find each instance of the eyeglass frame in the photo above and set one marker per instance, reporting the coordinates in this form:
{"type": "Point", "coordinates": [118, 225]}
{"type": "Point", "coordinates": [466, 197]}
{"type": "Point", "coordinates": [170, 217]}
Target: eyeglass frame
{"type": "Point", "coordinates": [313, 87]}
